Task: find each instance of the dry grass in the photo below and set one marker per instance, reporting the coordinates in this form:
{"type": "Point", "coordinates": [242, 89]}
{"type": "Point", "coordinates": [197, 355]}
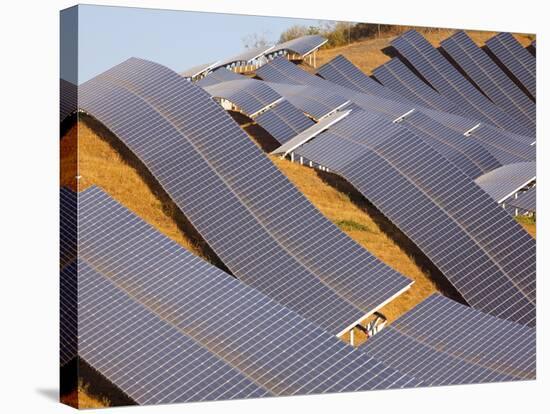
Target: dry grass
{"type": "Point", "coordinates": [529, 224]}
{"type": "Point", "coordinates": [81, 398]}
{"type": "Point", "coordinates": [368, 54]}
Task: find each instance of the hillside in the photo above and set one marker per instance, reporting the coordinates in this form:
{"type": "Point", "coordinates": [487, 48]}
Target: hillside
{"type": "Point", "coordinates": [368, 54]}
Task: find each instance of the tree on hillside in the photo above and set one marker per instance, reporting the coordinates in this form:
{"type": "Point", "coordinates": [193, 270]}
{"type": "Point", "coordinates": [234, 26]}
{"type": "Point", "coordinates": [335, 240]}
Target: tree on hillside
{"type": "Point", "coordinates": [255, 40]}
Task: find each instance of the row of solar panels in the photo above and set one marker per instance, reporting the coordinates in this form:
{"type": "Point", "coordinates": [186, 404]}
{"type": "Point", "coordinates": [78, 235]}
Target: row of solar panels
{"type": "Point", "coordinates": [301, 46]}
{"type": "Point", "coordinates": [164, 326]}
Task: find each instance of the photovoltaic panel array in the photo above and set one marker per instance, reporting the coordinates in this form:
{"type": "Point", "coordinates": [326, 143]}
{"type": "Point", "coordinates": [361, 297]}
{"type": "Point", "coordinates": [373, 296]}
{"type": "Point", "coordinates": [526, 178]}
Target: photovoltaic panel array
{"type": "Point", "coordinates": [342, 72]}
{"type": "Point", "coordinates": [197, 70]}
{"type": "Point", "coordinates": [315, 102]}
{"type": "Point", "coordinates": [146, 278]}
{"type": "Point", "coordinates": [265, 231]}
{"type": "Point", "coordinates": [68, 313]}
{"type": "Point", "coordinates": [247, 56]}
{"type": "Point", "coordinates": [148, 358]}
{"type": "Point", "coordinates": [67, 227]}
{"type": "Point", "coordinates": [468, 155]}
{"type": "Point", "coordinates": [280, 70]}
{"type": "Point", "coordinates": [517, 60]}
{"type": "Point", "coordinates": [250, 95]}
{"type": "Point", "coordinates": [525, 201]}
{"type": "Point", "coordinates": [68, 99]}
{"type": "Point", "coordinates": [507, 180]}
{"type": "Point", "coordinates": [284, 121]}
{"type": "Point", "coordinates": [395, 75]}
{"type": "Point", "coordinates": [482, 70]}
{"type": "Point", "coordinates": [436, 205]}
{"type": "Point", "coordinates": [302, 45]}
{"type": "Point", "coordinates": [448, 81]}
{"type": "Point", "coordinates": [443, 342]}
{"type": "Point", "coordinates": [506, 147]}
{"type": "Point", "coordinates": [217, 76]}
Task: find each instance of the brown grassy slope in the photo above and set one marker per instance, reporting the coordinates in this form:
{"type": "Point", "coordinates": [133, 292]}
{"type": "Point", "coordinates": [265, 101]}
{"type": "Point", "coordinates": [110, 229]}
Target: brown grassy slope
{"type": "Point", "coordinates": [102, 165]}
{"type": "Point", "coordinates": [368, 54]}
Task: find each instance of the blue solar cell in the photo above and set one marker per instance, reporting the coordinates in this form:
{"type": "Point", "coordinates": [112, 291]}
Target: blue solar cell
{"type": "Point", "coordinates": [342, 72]}
{"type": "Point", "coordinates": [518, 61]}
{"type": "Point", "coordinates": [68, 313]}
{"type": "Point", "coordinates": [507, 180]}
{"type": "Point", "coordinates": [284, 121]}
{"type": "Point", "coordinates": [442, 342]}
{"type": "Point", "coordinates": [468, 155]}
{"type": "Point", "coordinates": [68, 99]}
{"type": "Point", "coordinates": [436, 205]}
{"type": "Point", "coordinates": [217, 76]}
{"type": "Point", "coordinates": [396, 76]}
{"type": "Point", "coordinates": [250, 95]}
{"type": "Point", "coordinates": [429, 62]}
{"type": "Point", "coordinates": [491, 80]}
{"type": "Point", "coordinates": [301, 45]}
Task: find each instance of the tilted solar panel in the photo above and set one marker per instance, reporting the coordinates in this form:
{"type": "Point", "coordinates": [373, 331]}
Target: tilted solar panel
{"type": "Point", "coordinates": [250, 95]}
{"type": "Point", "coordinates": [506, 147]}
{"type": "Point", "coordinates": [521, 64]}
{"type": "Point", "coordinates": [203, 148]}
{"type": "Point", "coordinates": [280, 70]}
{"type": "Point", "coordinates": [273, 348]}
{"type": "Point", "coordinates": [491, 79]}
{"type": "Point", "coordinates": [67, 226]}
{"type": "Point", "coordinates": [315, 102]}
{"type": "Point", "coordinates": [395, 75]}
{"type": "Point", "coordinates": [525, 201]}
{"type": "Point", "coordinates": [148, 358]}
{"type": "Point", "coordinates": [217, 76]}
{"type": "Point", "coordinates": [443, 342]}
{"type": "Point", "coordinates": [68, 99]}
{"type": "Point", "coordinates": [342, 72]}
{"type": "Point", "coordinates": [486, 255]}
{"type": "Point", "coordinates": [284, 121]}
{"type": "Point", "coordinates": [468, 155]}
{"type": "Point", "coordinates": [68, 313]}
{"type": "Point", "coordinates": [302, 45]}
{"type": "Point", "coordinates": [507, 180]}
{"type": "Point", "coordinates": [429, 62]}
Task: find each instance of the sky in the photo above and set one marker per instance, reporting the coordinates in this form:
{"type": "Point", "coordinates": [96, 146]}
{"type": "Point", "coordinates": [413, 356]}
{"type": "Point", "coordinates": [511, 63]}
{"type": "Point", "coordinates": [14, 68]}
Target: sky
{"type": "Point", "coordinates": [106, 36]}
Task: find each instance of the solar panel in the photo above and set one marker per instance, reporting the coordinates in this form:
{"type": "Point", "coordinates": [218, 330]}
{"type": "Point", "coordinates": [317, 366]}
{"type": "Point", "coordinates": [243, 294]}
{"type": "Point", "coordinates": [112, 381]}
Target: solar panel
{"type": "Point", "coordinates": [506, 147]}
{"type": "Point", "coordinates": [518, 61]}
{"type": "Point", "coordinates": [198, 70]}
{"type": "Point", "coordinates": [303, 45]}
{"type": "Point", "coordinates": [217, 76]}
{"type": "Point", "coordinates": [250, 95]}
{"type": "Point", "coordinates": [487, 256]}
{"type": "Point", "coordinates": [342, 72]}
{"type": "Point", "coordinates": [507, 180]}
{"type": "Point", "coordinates": [395, 75]}
{"type": "Point", "coordinates": [68, 99]}
{"type": "Point", "coordinates": [284, 121]}
{"type": "Point", "coordinates": [280, 70]}
{"type": "Point", "coordinates": [68, 314]}
{"type": "Point", "coordinates": [468, 155]}
{"type": "Point", "coordinates": [429, 62]}
{"type": "Point", "coordinates": [491, 80]}
{"type": "Point", "coordinates": [315, 102]}
{"type": "Point", "coordinates": [443, 342]}
{"type": "Point", "coordinates": [146, 357]}
{"type": "Point", "coordinates": [67, 227]}
{"type": "Point", "coordinates": [202, 157]}
{"type": "Point", "coordinates": [248, 56]}
{"type": "Point", "coordinates": [526, 201]}
{"type": "Point", "coordinates": [146, 277]}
